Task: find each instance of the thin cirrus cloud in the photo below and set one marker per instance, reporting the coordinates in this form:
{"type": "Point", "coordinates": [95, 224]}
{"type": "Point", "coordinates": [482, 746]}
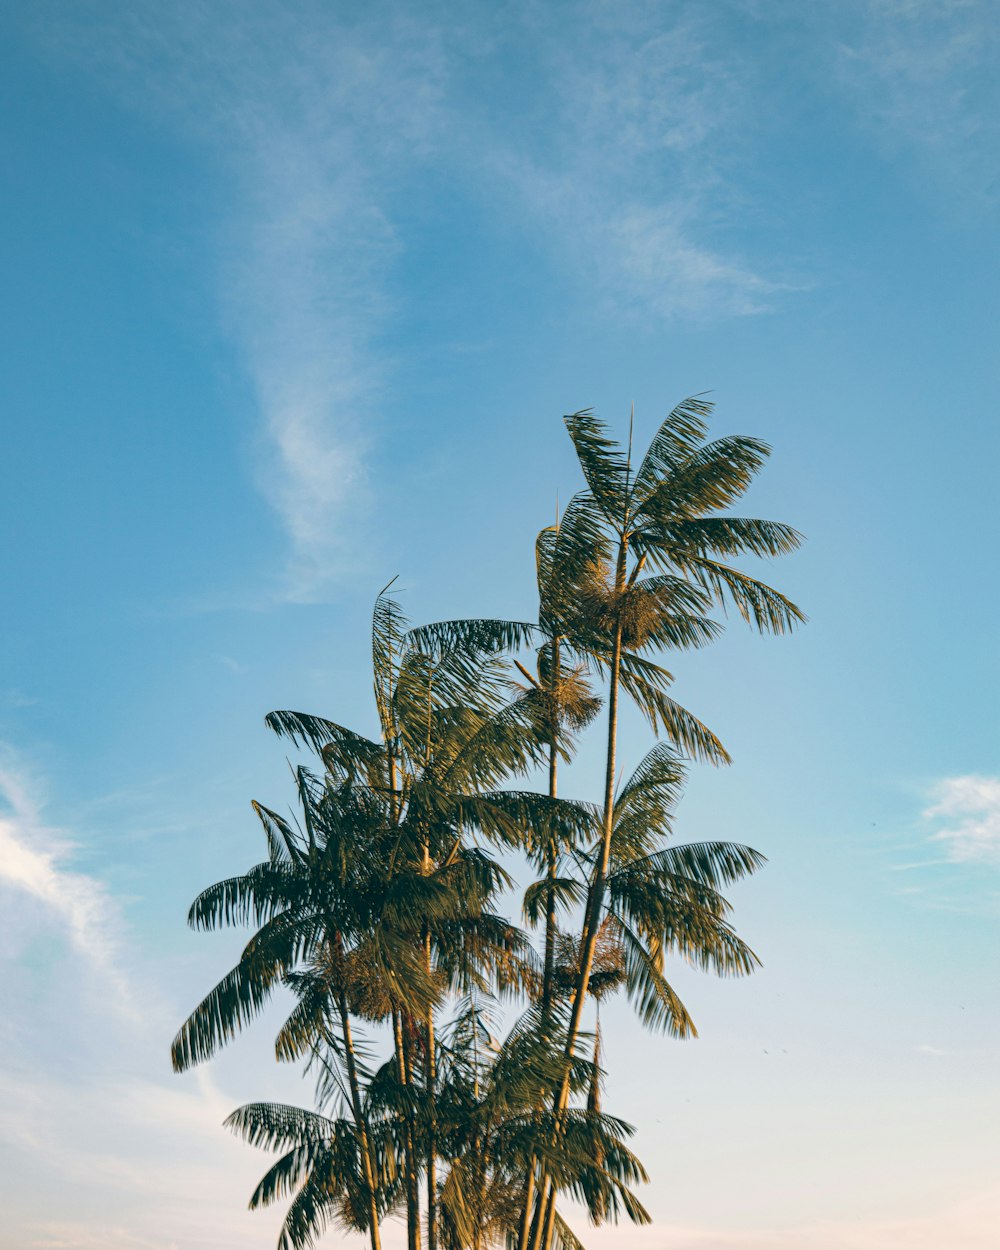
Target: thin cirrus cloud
{"type": "Point", "coordinates": [966, 814]}
{"type": "Point", "coordinates": [923, 73]}
{"type": "Point", "coordinates": [310, 122]}
{"type": "Point", "coordinates": [637, 167]}
{"type": "Point", "coordinates": [617, 137]}
{"type": "Point", "coordinates": [321, 121]}
{"type": "Point", "coordinates": [33, 868]}
{"type": "Point", "coordinates": [85, 1088]}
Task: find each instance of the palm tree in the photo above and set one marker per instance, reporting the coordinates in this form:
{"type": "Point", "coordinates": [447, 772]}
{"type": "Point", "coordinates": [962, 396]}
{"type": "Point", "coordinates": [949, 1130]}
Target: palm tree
{"type": "Point", "coordinates": [321, 1169]}
{"type": "Point", "coordinates": [558, 701]}
{"type": "Point", "coordinates": [381, 877]}
{"type": "Point", "coordinates": [491, 1125]}
{"type": "Point", "coordinates": [328, 903]}
{"type": "Point", "coordinates": [663, 515]}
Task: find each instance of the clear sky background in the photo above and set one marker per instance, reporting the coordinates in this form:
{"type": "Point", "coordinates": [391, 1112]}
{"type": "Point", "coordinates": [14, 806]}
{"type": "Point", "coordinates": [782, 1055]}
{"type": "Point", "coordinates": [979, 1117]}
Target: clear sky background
{"type": "Point", "coordinates": [294, 297]}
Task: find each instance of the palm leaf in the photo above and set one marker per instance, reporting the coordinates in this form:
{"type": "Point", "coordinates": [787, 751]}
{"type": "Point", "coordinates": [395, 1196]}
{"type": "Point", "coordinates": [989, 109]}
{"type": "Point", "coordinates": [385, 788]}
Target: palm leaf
{"type": "Point", "coordinates": [712, 476]}
{"type": "Point", "coordinates": [388, 630]}
{"type": "Point", "coordinates": [604, 467]}
{"type": "Point", "coordinates": [658, 1004]}
{"type": "Point", "coordinates": [674, 442]}
{"type": "Point", "coordinates": [643, 681]}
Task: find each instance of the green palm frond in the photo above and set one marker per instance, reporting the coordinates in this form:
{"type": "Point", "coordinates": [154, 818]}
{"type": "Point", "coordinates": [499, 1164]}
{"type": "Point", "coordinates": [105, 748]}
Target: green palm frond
{"type": "Point", "coordinates": [282, 839]}
{"type": "Point", "coordinates": [278, 1126]}
{"type": "Point", "coordinates": [567, 892]}
{"type": "Point", "coordinates": [258, 895]}
{"type": "Point", "coordinates": [735, 536]}
{"type": "Point", "coordinates": [677, 439]}
{"type": "Point", "coordinates": [760, 605]}
{"type": "Point", "coordinates": [604, 467]}
{"type": "Point", "coordinates": [713, 864]}
{"type": "Point", "coordinates": [565, 1238]}
{"type": "Point", "coordinates": [388, 630]}
{"type": "Point", "coordinates": [658, 1004]}
{"type": "Point", "coordinates": [472, 637]}
{"type": "Point", "coordinates": [240, 996]}
{"type": "Point", "coordinates": [645, 682]}
{"type": "Point", "coordinates": [709, 477]}
{"type": "Point", "coordinates": [348, 752]}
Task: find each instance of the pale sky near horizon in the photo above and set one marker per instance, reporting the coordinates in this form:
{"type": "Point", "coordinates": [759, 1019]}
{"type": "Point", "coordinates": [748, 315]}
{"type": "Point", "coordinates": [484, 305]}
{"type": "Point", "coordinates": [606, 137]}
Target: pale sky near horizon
{"type": "Point", "coordinates": [294, 298]}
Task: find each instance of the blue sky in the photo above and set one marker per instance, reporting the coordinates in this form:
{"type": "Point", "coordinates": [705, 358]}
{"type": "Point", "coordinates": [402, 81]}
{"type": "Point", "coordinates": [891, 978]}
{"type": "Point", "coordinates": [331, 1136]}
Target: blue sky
{"type": "Point", "coordinates": [294, 299]}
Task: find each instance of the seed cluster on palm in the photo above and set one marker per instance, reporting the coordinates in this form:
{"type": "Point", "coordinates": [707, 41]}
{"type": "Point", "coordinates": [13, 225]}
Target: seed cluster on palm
{"type": "Point", "coordinates": [456, 1084]}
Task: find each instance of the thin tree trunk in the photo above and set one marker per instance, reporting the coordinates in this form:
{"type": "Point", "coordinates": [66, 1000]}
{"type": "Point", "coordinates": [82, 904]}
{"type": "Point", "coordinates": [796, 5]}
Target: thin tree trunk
{"type": "Point", "coordinates": [529, 1199]}
{"type": "Point", "coordinates": [359, 1120]}
{"type": "Point", "coordinates": [550, 902]}
{"type": "Point", "coordinates": [595, 895]}
{"type": "Point", "coordinates": [410, 1161]}
{"type": "Point", "coordinates": [541, 1208]}
{"type": "Point", "coordinates": [528, 1225]}
{"type": "Point", "coordinates": [431, 1091]}
{"type": "Point", "coordinates": [550, 1219]}
{"type": "Point", "coordinates": [431, 1135]}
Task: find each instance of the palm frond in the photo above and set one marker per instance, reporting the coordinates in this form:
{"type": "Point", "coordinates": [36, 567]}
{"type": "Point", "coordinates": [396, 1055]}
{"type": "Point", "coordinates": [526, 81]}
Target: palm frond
{"type": "Point", "coordinates": [604, 467]}
{"type": "Point", "coordinates": [388, 631]}
{"type": "Point", "coordinates": [644, 682]}
{"type": "Point", "coordinates": [340, 748]}
{"type": "Point", "coordinates": [278, 1126]}
{"type": "Point", "coordinates": [658, 1004]}
{"type": "Point", "coordinates": [472, 637]}
{"type": "Point", "coordinates": [257, 895]}
{"type": "Point", "coordinates": [759, 604]}
{"type": "Point", "coordinates": [674, 443]}
{"type": "Point", "coordinates": [711, 477]}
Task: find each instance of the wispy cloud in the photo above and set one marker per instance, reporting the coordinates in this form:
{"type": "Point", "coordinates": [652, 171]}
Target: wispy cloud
{"type": "Point", "coordinates": [309, 116]}
{"type": "Point", "coordinates": [966, 813]}
{"type": "Point", "coordinates": [925, 73]}
{"type": "Point", "coordinates": [607, 137]}
{"type": "Point", "coordinates": [85, 1089]}
{"type": "Point", "coordinates": [629, 176]}
{"type": "Point", "coordinates": [34, 865]}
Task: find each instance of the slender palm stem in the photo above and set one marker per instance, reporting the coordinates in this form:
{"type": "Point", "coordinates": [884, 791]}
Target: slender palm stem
{"type": "Point", "coordinates": [529, 1202]}
{"type": "Point", "coordinates": [595, 900]}
{"type": "Point", "coordinates": [550, 1219]}
{"type": "Point", "coordinates": [359, 1120]}
{"type": "Point", "coordinates": [552, 856]}
{"type": "Point", "coordinates": [409, 1136]}
{"type": "Point", "coordinates": [431, 1082]}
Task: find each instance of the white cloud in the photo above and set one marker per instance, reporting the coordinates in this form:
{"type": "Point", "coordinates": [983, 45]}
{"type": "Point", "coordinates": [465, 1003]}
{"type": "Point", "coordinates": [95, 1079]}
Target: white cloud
{"type": "Point", "coordinates": [33, 864]}
{"type": "Point", "coordinates": [318, 120]}
{"type": "Point", "coordinates": [308, 116]}
{"type": "Point", "coordinates": [140, 1156]}
{"type": "Point", "coordinates": [967, 813]}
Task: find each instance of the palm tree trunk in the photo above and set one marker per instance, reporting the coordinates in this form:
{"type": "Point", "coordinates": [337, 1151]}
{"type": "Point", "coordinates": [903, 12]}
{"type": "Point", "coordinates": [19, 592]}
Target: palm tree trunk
{"type": "Point", "coordinates": [595, 895]}
{"type": "Point", "coordinates": [431, 1090]}
{"type": "Point", "coordinates": [528, 1225]}
{"type": "Point", "coordinates": [431, 1137]}
{"type": "Point", "coordinates": [359, 1120]}
{"type": "Point", "coordinates": [410, 1161]}
{"type": "Point", "coordinates": [550, 1219]}
{"type": "Point", "coordinates": [529, 1201]}
{"type": "Point", "coordinates": [550, 902]}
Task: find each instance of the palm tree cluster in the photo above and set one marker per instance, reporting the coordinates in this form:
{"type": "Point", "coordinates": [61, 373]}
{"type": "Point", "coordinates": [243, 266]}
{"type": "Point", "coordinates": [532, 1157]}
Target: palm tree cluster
{"type": "Point", "coordinates": [378, 910]}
